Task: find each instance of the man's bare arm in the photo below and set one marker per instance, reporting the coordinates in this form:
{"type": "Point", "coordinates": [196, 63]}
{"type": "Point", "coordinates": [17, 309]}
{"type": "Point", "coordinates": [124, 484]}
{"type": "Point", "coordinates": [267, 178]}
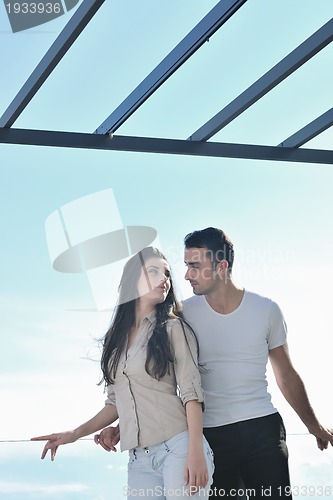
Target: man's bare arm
{"type": "Point", "coordinates": [293, 389]}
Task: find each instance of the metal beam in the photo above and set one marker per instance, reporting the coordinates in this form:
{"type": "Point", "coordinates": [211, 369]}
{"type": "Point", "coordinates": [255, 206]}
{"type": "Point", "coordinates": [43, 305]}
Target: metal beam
{"type": "Point", "coordinates": [316, 42]}
{"type": "Point", "coordinates": [185, 49]}
{"type": "Point", "coordinates": [58, 49]}
{"type": "Point", "coordinates": [166, 146]}
{"type": "Point", "coordinates": [310, 131]}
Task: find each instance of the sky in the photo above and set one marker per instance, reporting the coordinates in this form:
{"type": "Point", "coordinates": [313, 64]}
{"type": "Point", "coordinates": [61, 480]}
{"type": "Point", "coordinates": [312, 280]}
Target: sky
{"type": "Point", "coordinates": [277, 214]}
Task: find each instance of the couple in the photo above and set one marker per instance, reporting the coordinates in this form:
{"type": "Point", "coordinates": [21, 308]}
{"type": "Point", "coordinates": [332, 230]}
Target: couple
{"type": "Point", "coordinates": [151, 359]}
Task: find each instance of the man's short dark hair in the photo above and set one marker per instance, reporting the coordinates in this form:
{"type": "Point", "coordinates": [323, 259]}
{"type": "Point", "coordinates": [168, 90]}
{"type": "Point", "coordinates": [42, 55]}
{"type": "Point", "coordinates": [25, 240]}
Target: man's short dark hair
{"type": "Point", "coordinates": [216, 241]}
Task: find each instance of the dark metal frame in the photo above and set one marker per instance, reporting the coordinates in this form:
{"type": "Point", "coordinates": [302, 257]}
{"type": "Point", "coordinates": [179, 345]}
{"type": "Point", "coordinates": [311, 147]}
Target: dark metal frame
{"type": "Point", "coordinates": [65, 40]}
{"type": "Point", "coordinates": [196, 144]}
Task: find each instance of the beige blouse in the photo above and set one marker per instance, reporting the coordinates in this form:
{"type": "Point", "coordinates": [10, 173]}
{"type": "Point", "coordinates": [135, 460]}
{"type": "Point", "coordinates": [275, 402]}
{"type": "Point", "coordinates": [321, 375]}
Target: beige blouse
{"type": "Point", "coordinates": [151, 411]}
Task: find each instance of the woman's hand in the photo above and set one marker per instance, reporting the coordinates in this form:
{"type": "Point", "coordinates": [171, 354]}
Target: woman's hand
{"type": "Point", "coordinates": [105, 417]}
{"type": "Point", "coordinates": [54, 441]}
{"type": "Point", "coordinates": [196, 472]}
{"type": "Point", "coordinates": [108, 438]}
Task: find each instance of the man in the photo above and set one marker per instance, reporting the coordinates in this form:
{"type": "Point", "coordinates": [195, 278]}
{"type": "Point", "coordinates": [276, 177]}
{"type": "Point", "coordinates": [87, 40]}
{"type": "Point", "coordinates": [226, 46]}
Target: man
{"type": "Point", "coordinates": [238, 331]}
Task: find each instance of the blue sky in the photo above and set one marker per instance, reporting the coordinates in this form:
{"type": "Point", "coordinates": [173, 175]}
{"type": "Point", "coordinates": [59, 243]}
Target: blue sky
{"type": "Point", "coordinates": [277, 214]}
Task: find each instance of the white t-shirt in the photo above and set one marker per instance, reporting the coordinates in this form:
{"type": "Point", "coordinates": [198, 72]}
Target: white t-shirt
{"type": "Point", "coordinates": [234, 351]}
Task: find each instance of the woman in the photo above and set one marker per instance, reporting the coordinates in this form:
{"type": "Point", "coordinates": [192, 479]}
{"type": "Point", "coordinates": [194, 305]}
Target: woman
{"type": "Point", "coordinates": [149, 364]}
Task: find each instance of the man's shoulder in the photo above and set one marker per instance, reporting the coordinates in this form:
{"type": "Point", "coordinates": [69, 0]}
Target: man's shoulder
{"type": "Point", "coordinates": [193, 305]}
{"type": "Point", "coordinates": [193, 301]}
{"type": "Point", "coordinates": [259, 300]}
{"type": "Point", "coordinates": [254, 296]}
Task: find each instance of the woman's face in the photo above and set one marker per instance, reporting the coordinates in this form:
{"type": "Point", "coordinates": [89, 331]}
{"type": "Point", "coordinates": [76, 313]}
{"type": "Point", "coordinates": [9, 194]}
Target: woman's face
{"type": "Point", "coordinates": [154, 282]}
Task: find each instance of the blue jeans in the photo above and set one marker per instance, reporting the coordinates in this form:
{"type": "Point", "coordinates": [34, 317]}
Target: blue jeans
{"type": "Point", "coordinates": [251, 459]}
{"type": "Point", "coordinates": [157, 472]}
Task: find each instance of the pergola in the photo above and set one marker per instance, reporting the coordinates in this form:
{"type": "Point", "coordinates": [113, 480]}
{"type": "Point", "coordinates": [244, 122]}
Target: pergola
{"type": "Point", "coordinates": [198, 143]}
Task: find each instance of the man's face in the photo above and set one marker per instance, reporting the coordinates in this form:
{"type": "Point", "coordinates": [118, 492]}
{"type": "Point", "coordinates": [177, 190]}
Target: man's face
{"type": "Point", "coordinates": [200, 270]}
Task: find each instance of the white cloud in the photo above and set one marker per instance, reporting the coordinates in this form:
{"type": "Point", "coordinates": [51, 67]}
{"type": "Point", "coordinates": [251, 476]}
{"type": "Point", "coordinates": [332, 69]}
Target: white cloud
{"type": "Point", "coordinates": [51, 402]}
{"type": "Point", "coordinates": [117, 467]}
{"type": "Point", "coordinates": [44, 372]}
{"type": "Point", "coordinates": [310, 468]}
{"type": "Point", "coordinates": [11, 487]}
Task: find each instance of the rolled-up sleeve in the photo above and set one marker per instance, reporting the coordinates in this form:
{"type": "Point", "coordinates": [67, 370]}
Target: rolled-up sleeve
{"type": "Point", "coordinates": [185, 353]}
{"type": "Point", "coordinates": [111, 397]}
